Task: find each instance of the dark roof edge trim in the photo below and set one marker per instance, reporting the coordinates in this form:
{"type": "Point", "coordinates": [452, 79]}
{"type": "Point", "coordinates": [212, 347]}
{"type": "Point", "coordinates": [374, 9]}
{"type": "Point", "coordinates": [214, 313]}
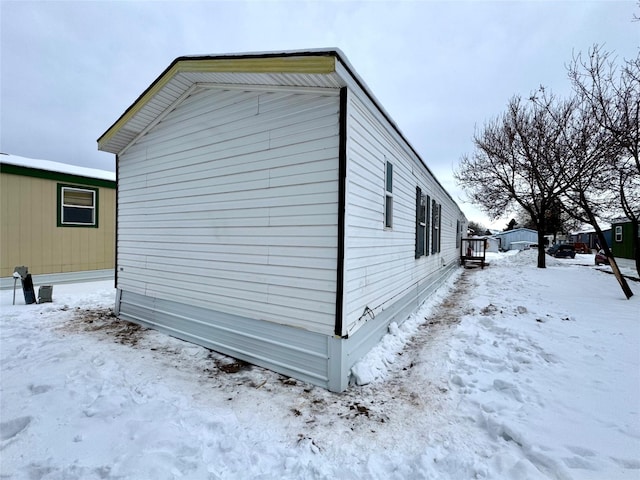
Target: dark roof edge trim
{"type": "Point", "coordinates": [56, 176]}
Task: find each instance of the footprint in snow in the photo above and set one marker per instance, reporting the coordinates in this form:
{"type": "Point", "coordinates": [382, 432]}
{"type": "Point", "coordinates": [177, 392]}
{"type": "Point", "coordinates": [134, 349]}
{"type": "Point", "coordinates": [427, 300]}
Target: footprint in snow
{"type": "Point", "coordinates": [11, 428]}
{"type": "Point", "coordinates": [38, 389]}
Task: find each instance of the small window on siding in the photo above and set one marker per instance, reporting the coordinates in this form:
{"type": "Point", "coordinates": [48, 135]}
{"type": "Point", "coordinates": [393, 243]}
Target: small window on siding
{"type": "Point", "coordinates": [77, 206]}
{"type": "Point", "coordinates": [421, 223]}
{"type": "Point", "coordinates": [388, 196]}
{"type": "Point", "coordinates": [619, 233]}
{"type": "Point", "coordinates": [435, 226]}
{"type": "Point", "coordinates": [458, 233]}
{"type": "Point", "coordinates": [427, 222]}
{"type": "Point", "coordinates": [439, 227]}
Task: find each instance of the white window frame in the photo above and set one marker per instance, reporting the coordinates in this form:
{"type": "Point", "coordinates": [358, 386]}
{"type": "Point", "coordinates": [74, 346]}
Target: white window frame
{"type": "Point", "coordinates": [92, 207]}
{"type": "Point", "coordinates": [421, 224]}
{"type": "Point", "coordinates": [618, 231]}
{"type": "Point", "coordinates": [436, 212]}
{"type": "Point", "coordinates": [388, 195]}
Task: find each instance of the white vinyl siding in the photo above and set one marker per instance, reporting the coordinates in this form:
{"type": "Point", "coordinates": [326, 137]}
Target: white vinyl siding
{"type": "Point", "coordinates": [381, 265]}
{"type": "Point", "coordinates": [230, 203]}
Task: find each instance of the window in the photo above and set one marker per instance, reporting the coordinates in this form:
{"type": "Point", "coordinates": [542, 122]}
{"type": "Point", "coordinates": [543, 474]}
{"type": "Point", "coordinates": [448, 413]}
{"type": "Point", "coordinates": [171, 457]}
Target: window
{"type": "Point", "coordinates": [426, 223]}
{"type": "Point", "coordinates": [388, 196]}
{"type": "Point", "coordinates": [77, 206]}
{"type": "Point", "coordinates": [439, 226]}
{"type": "Point", "coordinates": [421, 223]}
{"type": "Point", "coordinates": [436, 211]}
{"type": "Point", "coordinates": [458, 233]}
{"type": "Point", "coordinates": [619, 233]}
{"type": "Point", "coordinates": [423, 213]}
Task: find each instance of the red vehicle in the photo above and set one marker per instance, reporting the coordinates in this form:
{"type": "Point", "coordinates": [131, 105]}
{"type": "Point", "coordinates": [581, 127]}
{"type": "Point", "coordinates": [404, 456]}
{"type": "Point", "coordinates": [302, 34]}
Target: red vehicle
{"type": "Point", "coordinates": [601, 258]}
{"type": "Point", "coordinates": [581, 247]}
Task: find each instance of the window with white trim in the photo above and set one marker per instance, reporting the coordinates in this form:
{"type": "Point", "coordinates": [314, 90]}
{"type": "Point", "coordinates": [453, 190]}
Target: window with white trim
{"type": "Point", "coordinates": [423, 212]}
{"type": "Point", "coordinates": [77, 206]}
{"type": "Point", "coordinates": [618, 233]}
{"type": "Point", "coordinates": [421, 223]}
{"type": "Point", "coordinates": [436, 210]}
{"type": "Point", "coordinates": [388, 196]}
{"type": "Point", "coordinates": [427, 221]}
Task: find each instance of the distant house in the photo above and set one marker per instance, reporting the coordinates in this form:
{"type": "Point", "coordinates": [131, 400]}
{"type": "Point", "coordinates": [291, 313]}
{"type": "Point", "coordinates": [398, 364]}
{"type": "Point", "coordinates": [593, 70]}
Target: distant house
{"type": "Point", "coordinates": [517, 239]}
{"type": "Point", "coordinates": [590, 238]}
{"type": "Point", "coordinates": [270, 209]}
{"type": "Point", "coordinates": [622, 238]}
{"type": "Point", "coordinates": [56, 219]}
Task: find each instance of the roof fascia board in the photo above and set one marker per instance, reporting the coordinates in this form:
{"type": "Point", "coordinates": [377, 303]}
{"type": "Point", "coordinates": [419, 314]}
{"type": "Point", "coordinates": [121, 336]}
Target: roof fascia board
{"type": "Point", "coordinates": [305, 64]}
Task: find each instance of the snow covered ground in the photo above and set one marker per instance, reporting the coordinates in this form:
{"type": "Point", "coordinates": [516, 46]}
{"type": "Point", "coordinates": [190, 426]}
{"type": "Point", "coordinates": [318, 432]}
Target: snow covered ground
{"type": "Point", "coordinates": [510, 372]}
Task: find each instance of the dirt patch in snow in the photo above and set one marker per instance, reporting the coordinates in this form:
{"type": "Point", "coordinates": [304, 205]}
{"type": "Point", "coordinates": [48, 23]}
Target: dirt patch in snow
{"type": "Point", "coordinates": [105, 321]}
{"type": "Point", "coordinates": [410, 384]}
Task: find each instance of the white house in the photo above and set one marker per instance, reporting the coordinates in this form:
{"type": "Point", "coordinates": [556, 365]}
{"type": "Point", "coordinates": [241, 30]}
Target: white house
{"type": "Point", "coordinates": [517, 239]}
{"type": "Point", "coordinates": [269, 208]}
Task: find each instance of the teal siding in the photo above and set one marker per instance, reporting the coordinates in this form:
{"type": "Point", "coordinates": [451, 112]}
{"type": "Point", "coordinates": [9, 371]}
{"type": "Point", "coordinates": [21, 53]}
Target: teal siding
{"type": "Point", "coordinates": [622, 247]}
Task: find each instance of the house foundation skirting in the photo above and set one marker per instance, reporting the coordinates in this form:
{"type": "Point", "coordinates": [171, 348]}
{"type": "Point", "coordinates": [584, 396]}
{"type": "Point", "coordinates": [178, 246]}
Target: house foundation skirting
{"type": "Point", "coordinates": [308, 356]}
{"type": "Point", "coordinates": [67, 277]}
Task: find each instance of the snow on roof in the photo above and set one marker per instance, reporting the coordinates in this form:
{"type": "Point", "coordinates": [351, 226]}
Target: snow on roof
{"type": "Point", "coordinates": [521, 229]}
{"type": "Point", "coordinates": [57, 167]}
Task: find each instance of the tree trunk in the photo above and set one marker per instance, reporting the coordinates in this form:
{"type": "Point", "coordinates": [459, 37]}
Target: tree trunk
{"type": "Point", "coordinates": [541, 253]}
{"type": "Point", "coordinates": [635, 231]}
{"type": "Point", "coordinates": [612, 261]}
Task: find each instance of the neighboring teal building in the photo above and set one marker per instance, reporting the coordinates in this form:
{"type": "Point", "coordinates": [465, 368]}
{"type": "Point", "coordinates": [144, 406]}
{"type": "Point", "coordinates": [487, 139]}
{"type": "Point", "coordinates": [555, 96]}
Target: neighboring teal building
{"type": "Point", "coordinates": [625, 238]}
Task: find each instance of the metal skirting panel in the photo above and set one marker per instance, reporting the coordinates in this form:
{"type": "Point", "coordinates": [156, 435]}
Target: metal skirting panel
{"type": "Point", "coordinates": [291, 351]}
{"type": "Point", "coordinates": [315, 358]}
{"type": "Point", "coordinates": [368, 336]}
{"type": "Point", "coordinates": [59, 278]}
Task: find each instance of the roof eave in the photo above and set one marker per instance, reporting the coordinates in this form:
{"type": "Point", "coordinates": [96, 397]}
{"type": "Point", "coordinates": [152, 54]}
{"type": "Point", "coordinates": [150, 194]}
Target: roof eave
{"type": "Point", "coordinates": [300, 62]}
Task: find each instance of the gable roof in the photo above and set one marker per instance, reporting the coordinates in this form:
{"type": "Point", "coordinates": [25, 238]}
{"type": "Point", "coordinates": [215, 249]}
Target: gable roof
{"type": "Point", "coordinates": [323, 68]}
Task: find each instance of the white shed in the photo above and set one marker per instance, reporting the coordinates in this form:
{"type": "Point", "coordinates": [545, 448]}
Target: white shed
{"type": "Point", "coordinates": [269, 208]}
{"type": "Point", "coordinates": [493, 244]}
{"type": "Point", "coordinates": [524, 236]}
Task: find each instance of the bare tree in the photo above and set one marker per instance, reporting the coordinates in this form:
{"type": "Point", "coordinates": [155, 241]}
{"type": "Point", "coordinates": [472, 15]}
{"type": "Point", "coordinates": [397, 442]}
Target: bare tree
{"type": "Point", "coordinates": [588, 146]}
{"type": "Point", "coordinates": [476, 228]}
{"type": "Point", "coordinates": [517, 161]}
{"type": "Point", "coordinates": [612, 97]}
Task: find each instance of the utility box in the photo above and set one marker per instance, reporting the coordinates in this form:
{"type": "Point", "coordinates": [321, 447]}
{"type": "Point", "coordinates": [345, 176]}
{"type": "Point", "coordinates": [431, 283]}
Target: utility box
{"type": "Point", "coordinates": [45, 294]}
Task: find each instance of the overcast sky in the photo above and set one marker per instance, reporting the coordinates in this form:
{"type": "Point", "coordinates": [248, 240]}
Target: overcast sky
{"type": "Point", "coordinates": [70, 69]}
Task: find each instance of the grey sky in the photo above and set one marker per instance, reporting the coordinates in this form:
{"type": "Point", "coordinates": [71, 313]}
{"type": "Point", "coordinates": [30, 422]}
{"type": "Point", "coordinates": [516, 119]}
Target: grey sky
{"type": "Point", "coordinates": [70, 69]}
